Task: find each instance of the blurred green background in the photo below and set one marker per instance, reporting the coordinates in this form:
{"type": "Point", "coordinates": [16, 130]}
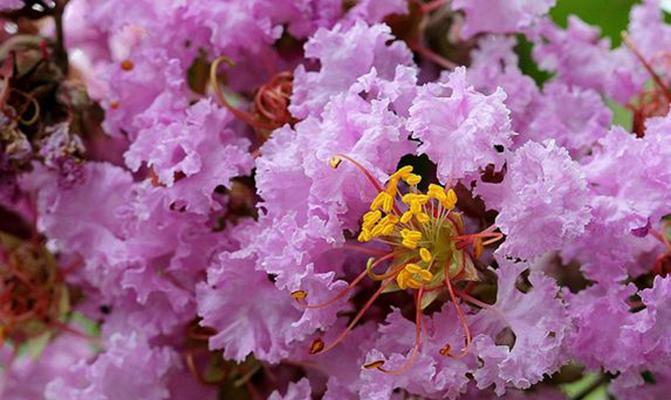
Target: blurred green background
{"type": "Point", "coordinates": [611, 16]}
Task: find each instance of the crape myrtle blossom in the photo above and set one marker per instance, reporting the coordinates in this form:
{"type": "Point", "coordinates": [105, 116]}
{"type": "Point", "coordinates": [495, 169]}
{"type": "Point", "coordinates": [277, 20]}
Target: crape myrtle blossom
{"type": "Point", "coordinates": [542, 201]}
{"type": "Point", "coordinates": [634, 345]}
{"type": "Point", "coordinates": [450, 120]}
{"type": "Point", "coordinates": [501, 16]}
{"type": "Point", "coordinates": [10, 4]}
{"type": "Point", "coordinates": [580, 57]}
{"type": "Point", "coordinates": [322, 202]}
{"type": "Point", "coordinates": [625, 213]}
{"type": "Point", "coordinates": [495, 64]}
{"type": "Point", "coordinates": [574, 117]}
{"type": "Point", "coordinates": [282, 200]}
{"type": "Point", "coordinates": [314, 211]}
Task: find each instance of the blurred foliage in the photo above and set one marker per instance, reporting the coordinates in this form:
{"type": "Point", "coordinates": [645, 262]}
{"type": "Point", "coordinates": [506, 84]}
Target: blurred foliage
{"type": "Point", "coordinates": [590, 387]}
{"type": "Point", "coordinates": [527, 64]}
{"type": "Point", "coordinates": [612, 16]}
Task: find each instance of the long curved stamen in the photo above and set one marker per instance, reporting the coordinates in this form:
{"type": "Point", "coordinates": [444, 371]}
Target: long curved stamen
{"type": "Point", "coordinates": [432, 5]}
{"type": "Point", "coordinates": [242, 115]}
{"type": "Point", "coordinates": [361, 168]}
{"type": "Point", "coordinates": [299, 295]}
{"type": "Point", "coordinates": [199, 375]}
{"type": "Point", "coordinates": [318, 345]}
{"type": "Point", "coordinates": [31, 101]}
{"type": "Point", "coordinates": [66, 328]}
{"type": "Point", "coordinates": [410, 361]}
{"type": "Point", "coordinates": [655, 77]}
{"type": "Point", "coordinates": [388, 274]}
{"type": "Point", "coordinates": [364, 250]}
{"type": "Point", "coordinates": [467, 297]}
{"type": "Point", "coordinates": [492, 237]}
{"type": "Point", "coordinates": [335, 298]}
{"type": "Point", "coordinates": [661, 237]}
{"type": "Point", "coordinates": [272, 99]}
{"type": "Point", "coordinates": [462, 320]}
{"type": "Point", "coordinates": [431, 56]}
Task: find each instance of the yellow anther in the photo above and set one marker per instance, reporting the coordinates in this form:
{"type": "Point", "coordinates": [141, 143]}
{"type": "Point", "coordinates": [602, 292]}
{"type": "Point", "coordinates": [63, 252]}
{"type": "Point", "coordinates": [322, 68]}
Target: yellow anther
{"type": "Point", "coordinates": [370, 218]}
{"type": "Point", "coordinates": [412, 179]}
{"type": "Point", "coordinates": [384, 201]}
{"type": "Point", "coordinates": [451, 199]}
{"type": "Point", "coordinates": [425, 254]}
{"type": "Point", "coordinates": [415, 208]}
{"type": "Point", "coordinates": [392, 187]}
{"type": "Point", "coordinates": [410, 198]}
{"type": "Point", "coordinates": [374, 365]}
{"type": "Point", "coordinates": [410, 238]}
{"type": "Point", "coordinates": [422, 218]}
{"type": "Point", "coordinates": [385, 226]}
{"type": "Point", "coordinates": [364, 236]}
{"type": "Point", "coordinates": [402, 172]}
{"type": "Point", "coordinates": [406, 217]}
{"type": "Point", "coordinates": [411, 244]}
{"type": "Point", "coordinates": [388, 230]}
{"type": "Point", "coordinates": [478, 248]}
{"type": "Point", "coordinates": [410, 234]}
{"type": "Point", "coordinates": [402, 279]}
{"type": "Point", "coordinates": [377, 230]}
{"type": "Point", "coordinates": [437, 192]}
{"type": "Point", "coordinates": [316, 346]}
{"type": "Point", "coordinates": [299, 295]}
{"type": "Point", "coordinates": [413, 268]}
{"type": "Point", "coordinates": [413, 276]}
{"type": "Point", "coordinates": [335, 161]}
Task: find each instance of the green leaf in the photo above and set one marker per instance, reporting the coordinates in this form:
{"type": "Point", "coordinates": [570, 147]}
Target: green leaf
{"type": "Point", "coordinates": [612, 16]}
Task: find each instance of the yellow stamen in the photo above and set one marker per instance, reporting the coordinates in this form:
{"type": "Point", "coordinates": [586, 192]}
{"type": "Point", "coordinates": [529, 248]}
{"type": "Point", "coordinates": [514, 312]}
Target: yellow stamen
{"type": "Point", "coordinates": [335, 161]}
{"type": "Point", "coordinates": [370, 218]}
{"type": "Point", "coordinates": [425, 255]}
{"type": "Point", "coordinates": [410, 238]}
{"type": "Point", "coordinates": [402, 172]}
{"type": "Point", "coordinates": [299, 295]}
{"type": "Point", "coordinates": [316, 346]}
{"type": "Point", "coordinates": [383, 200]}
{"type": "Point", "coordinates": [374, 365]}
{"type": "Point", "coordinates": [410, 234]}
{"type": "Point", "coordinates": [423, 218]}
{"type": "Point", "coordinates": [413, 276]}
{"type": "Point", "coordinates": [451, 199]}
{"type": "Point", "coordinates": [437, 192]}
{"type": "Point", "coordinates": [411, 198]}
{"type": "Point", "coordinates": [412, 179]}
{"type": "Point", "coordinates": [388, 229]}
{"type": "Point", "coordinates": [364, 236]}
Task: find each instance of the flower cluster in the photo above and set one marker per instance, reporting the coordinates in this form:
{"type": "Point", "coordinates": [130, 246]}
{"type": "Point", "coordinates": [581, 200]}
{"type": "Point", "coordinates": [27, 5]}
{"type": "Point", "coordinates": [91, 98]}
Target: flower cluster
{"type": "Point", "coordinates": [314, 199]}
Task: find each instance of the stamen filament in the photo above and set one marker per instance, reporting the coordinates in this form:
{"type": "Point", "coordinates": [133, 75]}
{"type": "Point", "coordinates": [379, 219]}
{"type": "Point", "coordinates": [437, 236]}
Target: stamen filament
{"type": "Point", "coordinates": [339, 295]}
{"type": "Point", "coordinates": [356, 319]}
{"type": "Point", "coordinates": [472, 300]}
{"type": "Point", "coordinates": [462, 320]}
{"type": "Point", "coordinates": [655, 77]}
{"type": "Point", "coordinates": [410, 361]}
{"type": "Point", "coordinates": [242, 115]}
{"type": "Point", "coordinates": [366, 173]}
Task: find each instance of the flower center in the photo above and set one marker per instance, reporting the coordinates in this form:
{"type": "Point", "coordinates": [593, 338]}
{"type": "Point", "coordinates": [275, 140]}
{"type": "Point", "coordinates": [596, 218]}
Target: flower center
{"type": "Point", "coordinates": [421, 228]}
{"type": "Point", "coordinates": [428, 251]}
